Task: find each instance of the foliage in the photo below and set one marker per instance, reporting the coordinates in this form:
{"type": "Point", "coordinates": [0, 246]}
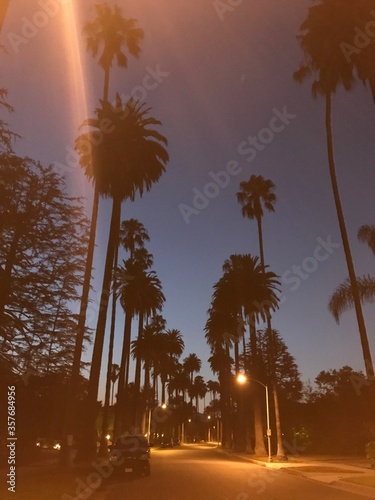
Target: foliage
{"type": "Point", "coordinates": [43, 234]}
{"type": "Point", "coordinates": [339, 412]}
{"type": "Point", "coordinates": [277, 361]}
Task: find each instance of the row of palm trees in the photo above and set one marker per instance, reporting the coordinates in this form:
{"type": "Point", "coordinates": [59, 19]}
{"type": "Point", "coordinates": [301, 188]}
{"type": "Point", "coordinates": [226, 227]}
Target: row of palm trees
{"type": "Point", "coordinates": [328, 25]}
{"type": "Point", "coordinates": [127, 159]}
{"type": "Point", "coordinates": [133, 156]}
{"type": "Point", "coordinates": [326, 62]}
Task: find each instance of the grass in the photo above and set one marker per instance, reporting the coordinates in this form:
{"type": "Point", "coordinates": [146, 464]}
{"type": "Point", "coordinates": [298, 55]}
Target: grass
{"type": "Point", "coordinates": [363, 481]}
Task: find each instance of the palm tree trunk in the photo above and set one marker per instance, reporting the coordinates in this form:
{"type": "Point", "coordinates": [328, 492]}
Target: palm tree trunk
{"type": "Point", "coordinates": [279, 436]}
{"type": "Point", "coordinates": [103, 451]}
{"type": "Point", "coordinates": [137, 375]}
{"type": "Point", "coordinates": [259, 446]}
{"type": "Point", "coordinates": [106, 85]}
{"type": "Point", "coordinates": [68, 425]}
{"type": "Point", "coordinates": [121, 378]}
{"type": "Point", "coordinates": [345, 240]}
{"type": "Point", "coordinates": [100, 330]}
{"type": "Point", "coordinates": [260, 239]}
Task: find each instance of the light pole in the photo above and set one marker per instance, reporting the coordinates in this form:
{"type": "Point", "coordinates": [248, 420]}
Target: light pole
{"type": "Point", "coordinates": [241, 379]}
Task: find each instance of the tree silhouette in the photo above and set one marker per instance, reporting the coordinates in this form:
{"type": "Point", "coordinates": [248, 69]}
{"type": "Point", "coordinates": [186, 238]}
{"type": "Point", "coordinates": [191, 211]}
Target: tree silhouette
{"type": "Point", "coordinates": [325, 61]}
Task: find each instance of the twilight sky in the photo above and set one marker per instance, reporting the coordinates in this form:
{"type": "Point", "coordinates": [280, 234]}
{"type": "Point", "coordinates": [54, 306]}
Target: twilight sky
{"type": "Point", "coordinates": [220, 80]}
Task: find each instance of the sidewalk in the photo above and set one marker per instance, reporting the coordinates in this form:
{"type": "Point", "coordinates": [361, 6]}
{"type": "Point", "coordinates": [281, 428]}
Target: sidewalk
{"type": "Point", "coordinates": [340, 472]}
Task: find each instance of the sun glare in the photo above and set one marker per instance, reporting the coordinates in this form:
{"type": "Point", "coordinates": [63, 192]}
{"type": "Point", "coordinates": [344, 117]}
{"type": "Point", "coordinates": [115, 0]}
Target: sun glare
{"type": "Point", "coordinates": [76, 77]}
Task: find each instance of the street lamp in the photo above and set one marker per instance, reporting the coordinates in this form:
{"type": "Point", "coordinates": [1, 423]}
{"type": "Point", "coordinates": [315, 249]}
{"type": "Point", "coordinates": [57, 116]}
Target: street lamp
{"type": "Point", "coordinates": [241, 379]}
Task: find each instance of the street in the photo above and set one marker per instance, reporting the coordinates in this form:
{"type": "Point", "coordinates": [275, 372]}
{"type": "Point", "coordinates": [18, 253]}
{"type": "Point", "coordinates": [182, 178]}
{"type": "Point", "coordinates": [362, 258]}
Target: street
{"type": "Point", "coordinates": [199, 472]}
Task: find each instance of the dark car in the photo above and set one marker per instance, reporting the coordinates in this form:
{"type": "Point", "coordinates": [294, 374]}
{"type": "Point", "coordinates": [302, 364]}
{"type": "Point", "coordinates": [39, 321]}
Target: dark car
{"type": "Point", "coordinates": [131, 455]}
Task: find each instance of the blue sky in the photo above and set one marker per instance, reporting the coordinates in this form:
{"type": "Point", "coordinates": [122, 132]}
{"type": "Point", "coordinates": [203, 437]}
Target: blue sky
{"type": "Point", "coordinates": [216, 79]}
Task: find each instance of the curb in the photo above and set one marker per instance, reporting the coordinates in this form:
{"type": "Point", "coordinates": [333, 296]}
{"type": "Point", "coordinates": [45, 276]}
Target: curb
{"type": "Point", "coordinates": [354, 488]}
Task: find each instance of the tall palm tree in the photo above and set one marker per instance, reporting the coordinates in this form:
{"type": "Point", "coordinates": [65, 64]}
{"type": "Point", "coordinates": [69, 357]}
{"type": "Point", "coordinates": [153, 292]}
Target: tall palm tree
{"type": "Point", "coordinates": [256, 193]}
{"type": "Point", "coordinates": [128, 160]}
{"type": "Point", "coordinates": [141, 295]}
{"type": "Point", "coordinates": [198, 389]}
{"type": "Point", "coordinates": [133, 235]}
{"type": "Point", "coordinates": [192, 364]}
{"type": "Point", "coordinates": [107, 35]}
{"type": "Point", "coordinates": [170, 348]}
{"type": "Point", "coordinates": [247, 286]}
{"type": "Point", "coordinates": [111, 31]}
{"type": "Point", "coordinates": [325, 61]}
{"type": "Point", "coordinates": [213, 387]}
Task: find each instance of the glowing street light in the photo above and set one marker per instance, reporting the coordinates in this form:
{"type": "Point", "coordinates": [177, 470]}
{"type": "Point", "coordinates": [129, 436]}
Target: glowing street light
{"type": "Point", "coordinates": [241, 379]}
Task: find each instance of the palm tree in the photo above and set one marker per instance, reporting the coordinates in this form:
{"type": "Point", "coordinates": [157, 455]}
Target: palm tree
{"type": "Point", "coordinates": [141, 295]}
{"type": "Point", "coordinates": [213, 387]}
{"type": "Point", "coordinates": [366, 234]}
{"type": "Point", "coordinates": [128, 160]}
{"type": "Point", "coordinates": [111, 31]}
{"type": "Point", "coordinates": [256, 193]}
{"type": "Point", "coordinates": [342, 298]}
{"type": "Point", "coordinates": [133, 235]}
{"type": "Point", "coordinates": [324, 58]}
{"type": "Point", "coordinates": [192, 364]}
{"type": "Point", "coordinates": [197, 390]}
{"type": "Point", "coordinates": [170, 348]}
{"type": "Point", "coordinates": [246, 286]}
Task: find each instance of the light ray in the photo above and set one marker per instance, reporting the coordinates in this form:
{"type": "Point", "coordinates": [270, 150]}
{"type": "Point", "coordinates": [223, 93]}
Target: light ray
{"type": "Point", "coordinates": [78, 92]}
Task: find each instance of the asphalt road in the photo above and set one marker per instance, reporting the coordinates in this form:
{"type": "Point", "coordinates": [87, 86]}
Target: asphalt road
{"type": "Point", "coordinates": [200, 473]}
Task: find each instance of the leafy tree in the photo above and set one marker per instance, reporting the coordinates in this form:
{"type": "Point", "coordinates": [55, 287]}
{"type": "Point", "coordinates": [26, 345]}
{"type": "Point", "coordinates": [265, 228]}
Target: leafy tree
{"type": "Point", "coordinates": [326, 62]}
{"type": "Point", "coordinates": [42, 238]}
{"type": "Point", "coordinates": [283, 366]}
{"type": "Point", "coordinates": [339, 412]}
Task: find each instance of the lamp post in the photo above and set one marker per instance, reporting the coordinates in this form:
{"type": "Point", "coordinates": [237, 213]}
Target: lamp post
{"type": "Point", "coordinates": [241, 379]}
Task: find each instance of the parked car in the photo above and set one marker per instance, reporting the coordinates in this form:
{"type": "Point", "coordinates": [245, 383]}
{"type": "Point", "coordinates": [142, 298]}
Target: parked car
{"type": "Point", "coordinates": [166, 442]}
{"type": "Point", "coordinates": [131, 455]}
